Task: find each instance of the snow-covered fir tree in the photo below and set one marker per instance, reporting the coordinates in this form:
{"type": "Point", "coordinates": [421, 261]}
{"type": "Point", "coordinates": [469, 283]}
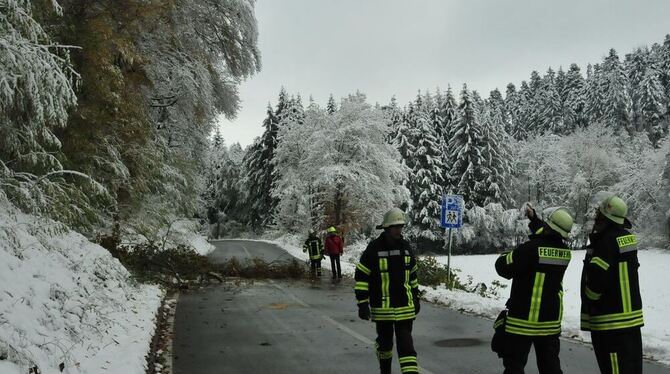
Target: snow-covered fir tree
{"type": "Point", "coordinates": [616, 94]}
{"type": "Point", "coordinates": [259, 168]}
{"type": "Point", "coordinates": [550, 106]}
{"type": "Point", "coordinates": [426, 188]}
{"type": "Point", "coordinates": [332, 105]}
{"type": "Point", "coordinates": [496, 152]}
{"type": "Point", "coordinates": [514, 103]}
{"type": "Point", "coordinates": [594, 94]}
{"type": "Point", "coordinates": [466, 152]}
{"type": "Point", "coordinates": [559, 83]}
{"type": "Point", "coordinates": [404, 137]}
{"type": "Point", "coordinates": [651, 104]}
{"type": "Point", "coordinates": [448, 114]}
{"type": "Point", "coordinates": [663, 66]}
{"type": "Point", "coordinates": [636, 65]}
{"type": "Point", "coordinates": [396, 117]}
{"type": "Point", "coordinates": [573, 99]}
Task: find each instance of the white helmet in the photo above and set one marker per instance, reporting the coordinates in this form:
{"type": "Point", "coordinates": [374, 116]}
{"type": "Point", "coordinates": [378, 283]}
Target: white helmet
{"type": "Point", "coordinates": [394, 217]}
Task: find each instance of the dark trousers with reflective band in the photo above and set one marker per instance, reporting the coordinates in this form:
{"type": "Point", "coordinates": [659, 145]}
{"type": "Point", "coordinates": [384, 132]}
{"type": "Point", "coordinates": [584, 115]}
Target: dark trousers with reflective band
{"type": "Point", "coordinates": [618, 351]}
{"type": "Point", "coordinates": [316, 267]}
{"type": "Point", "coordinates": [405, 346]}
{"type": "Point", "coordinates": [335, 262]}
{"type": "Point", "coordinates": [517, 348]}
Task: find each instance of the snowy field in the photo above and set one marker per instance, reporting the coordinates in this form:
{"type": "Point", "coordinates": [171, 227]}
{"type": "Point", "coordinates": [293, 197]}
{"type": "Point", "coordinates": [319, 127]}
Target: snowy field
{"type": "Point", "coordinates": [654, 279]}
{"type": "Point", "coordinates": [66, 300]}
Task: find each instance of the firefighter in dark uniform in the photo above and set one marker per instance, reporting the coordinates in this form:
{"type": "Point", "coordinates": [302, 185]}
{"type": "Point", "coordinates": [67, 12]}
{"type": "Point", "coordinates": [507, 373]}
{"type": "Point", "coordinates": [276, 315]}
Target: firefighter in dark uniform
{"type": "Point", "coordinates": [387, 292]}
{"type": "Point", "coordinates": [314, 246]}
{"type": "Point", "coordinates": [611, 301]}
{"type": "Point", "coordinates": [535, 306]}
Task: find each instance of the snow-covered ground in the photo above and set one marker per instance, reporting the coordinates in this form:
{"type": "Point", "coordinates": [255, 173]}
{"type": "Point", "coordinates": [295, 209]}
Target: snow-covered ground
{"type": "Point", "coordinates": [653, 283]}
{"type": "Point", "coordinates": [293, 245]}
{"type": "Point", "coordinates": [187, 232]}
{"type": "Point", "coordinates": [480, 269]}
{"type": "Point", "coordinates": [66, 300]}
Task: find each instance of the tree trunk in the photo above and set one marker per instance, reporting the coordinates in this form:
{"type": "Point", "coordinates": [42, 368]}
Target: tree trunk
{"type": "Point", "coordinates": [666, 195]}
{"type": "Point", "coordinates": [339, 205]}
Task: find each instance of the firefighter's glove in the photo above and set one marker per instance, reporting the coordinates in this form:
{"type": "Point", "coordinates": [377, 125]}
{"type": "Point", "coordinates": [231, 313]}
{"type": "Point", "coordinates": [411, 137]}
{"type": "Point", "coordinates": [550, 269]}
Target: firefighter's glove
{"type": "Point", "coordinates": [417, 305]}
{"type": "Point", "coordinates": [364, 311]}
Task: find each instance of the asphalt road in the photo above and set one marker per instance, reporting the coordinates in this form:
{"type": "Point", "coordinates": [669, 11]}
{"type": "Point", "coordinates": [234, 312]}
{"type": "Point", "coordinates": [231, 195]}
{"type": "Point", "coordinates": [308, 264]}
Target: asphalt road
{"type": "Point", "coordinates": [311, 327]}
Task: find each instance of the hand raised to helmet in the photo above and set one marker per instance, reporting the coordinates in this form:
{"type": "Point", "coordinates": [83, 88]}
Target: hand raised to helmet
{"type": "Point", "coordinates": [530, 211]}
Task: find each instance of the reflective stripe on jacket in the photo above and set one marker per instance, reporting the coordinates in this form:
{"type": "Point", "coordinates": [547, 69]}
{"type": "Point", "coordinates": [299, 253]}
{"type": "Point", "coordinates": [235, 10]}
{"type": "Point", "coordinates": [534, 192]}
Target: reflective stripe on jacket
{"type": "Point", "coordinates": [314, 246]}
{"type": "Point", "coordinates": [610, 287]}
{"type": "Point", "coordinates": [536, 268]}
{"type": "Point", "coordinates": [386, 278]}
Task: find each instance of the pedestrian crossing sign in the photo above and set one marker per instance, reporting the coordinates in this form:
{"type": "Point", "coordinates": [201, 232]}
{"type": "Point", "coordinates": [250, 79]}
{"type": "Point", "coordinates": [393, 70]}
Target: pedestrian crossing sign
{"type": "Point", "coordinates": [452, 211]}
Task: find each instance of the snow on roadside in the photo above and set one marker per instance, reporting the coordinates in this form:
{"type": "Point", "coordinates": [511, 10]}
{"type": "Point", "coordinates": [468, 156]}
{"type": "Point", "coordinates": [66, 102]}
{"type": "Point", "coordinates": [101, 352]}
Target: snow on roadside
{"type": "Point", "coordinates": [66, 300]}
{"type": "Point", "coordinates": [293, 245]}
{"type": "Point", "coordinates": [188, 233]}
{"type": "Point", "coordinates": [477, 269]}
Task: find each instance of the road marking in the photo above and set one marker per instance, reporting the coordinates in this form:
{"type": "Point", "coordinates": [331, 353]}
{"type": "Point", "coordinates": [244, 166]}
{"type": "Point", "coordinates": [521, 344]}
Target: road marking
{"type": "Point", "coordinates": [349, 331]}
{"type": "Point", "coordinates": [338, 325]}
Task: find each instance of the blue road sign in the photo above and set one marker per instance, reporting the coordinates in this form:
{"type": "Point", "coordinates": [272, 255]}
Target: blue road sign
{"type": "Point", "coordinates": [452, 211]}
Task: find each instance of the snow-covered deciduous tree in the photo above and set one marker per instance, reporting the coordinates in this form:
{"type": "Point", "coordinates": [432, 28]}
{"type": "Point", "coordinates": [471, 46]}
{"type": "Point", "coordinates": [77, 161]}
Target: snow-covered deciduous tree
{"type": "Point", "coordinates": [223, 194]}
{"type": "Point", "coordinates": [357, 174]}
{"type": "Point", "coordinates": [568, 171]}
{"type": "Point", "coordinates": [294, 186]}
{"type": "Point", "coordinates": [195, 59]}
{"type": "Point", "coordinates": [36, 91]}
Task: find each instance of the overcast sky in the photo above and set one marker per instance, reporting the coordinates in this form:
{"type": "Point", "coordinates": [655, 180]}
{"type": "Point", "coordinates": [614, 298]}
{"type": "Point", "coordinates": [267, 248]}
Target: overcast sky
{"type": "Point", "coordinates": [396, 47]}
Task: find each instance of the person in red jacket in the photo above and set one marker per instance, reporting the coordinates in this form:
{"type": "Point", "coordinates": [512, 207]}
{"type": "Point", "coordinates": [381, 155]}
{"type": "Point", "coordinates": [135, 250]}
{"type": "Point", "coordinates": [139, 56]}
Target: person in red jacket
{"type": "Point", "coordinates": [334, 249]}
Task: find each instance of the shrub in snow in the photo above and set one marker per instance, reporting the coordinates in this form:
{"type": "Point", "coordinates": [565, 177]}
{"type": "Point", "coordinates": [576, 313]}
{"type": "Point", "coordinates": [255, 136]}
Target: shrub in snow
{"type": "Point", "coordinates": [490, 229]}
{"type": "Point", "coordinates": [433, 274]}
{"type": "Point", "coordinates": [553, 170]}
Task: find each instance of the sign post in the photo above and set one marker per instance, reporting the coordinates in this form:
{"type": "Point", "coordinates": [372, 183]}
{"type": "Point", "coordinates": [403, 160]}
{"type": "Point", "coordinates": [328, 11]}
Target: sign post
{"type": "Point", "coordinates": [452, 218]}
